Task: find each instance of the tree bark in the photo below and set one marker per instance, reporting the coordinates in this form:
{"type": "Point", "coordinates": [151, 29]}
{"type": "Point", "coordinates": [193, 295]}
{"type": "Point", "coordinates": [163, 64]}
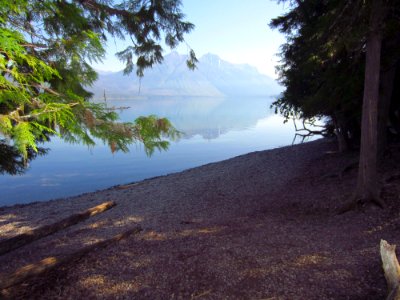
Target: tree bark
{"type": "Point", "coordinates": [367, 184]}
{"type": "Point", "coordinates": [391, 269]}
{"type": "Point", "coordinates": [387, 81]}
{"type": "Point", "coordinates": [340, 133]}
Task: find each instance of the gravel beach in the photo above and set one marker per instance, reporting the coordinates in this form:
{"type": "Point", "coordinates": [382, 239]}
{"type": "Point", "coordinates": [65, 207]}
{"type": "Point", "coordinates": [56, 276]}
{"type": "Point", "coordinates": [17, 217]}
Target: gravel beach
{"type": "Point", "coordinates": [258, 226]}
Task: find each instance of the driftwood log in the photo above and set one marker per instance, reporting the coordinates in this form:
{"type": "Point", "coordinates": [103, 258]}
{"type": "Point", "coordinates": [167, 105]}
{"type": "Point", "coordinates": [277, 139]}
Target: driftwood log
{"type": "Point", "coordinates": [127, 186]}
{"type": "Point", "coordinates": [51, 263]}
{"type": "Point", "coordinates": [391, 268]}
{"type": "Point", "coordinates": [35, 234]}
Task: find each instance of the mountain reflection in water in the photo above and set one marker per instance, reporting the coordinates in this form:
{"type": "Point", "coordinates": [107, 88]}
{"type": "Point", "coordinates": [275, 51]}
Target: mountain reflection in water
{"type": "Point", "coordinates": [207, 117]}
{"type": "Point", "coordinates": [213, 129]}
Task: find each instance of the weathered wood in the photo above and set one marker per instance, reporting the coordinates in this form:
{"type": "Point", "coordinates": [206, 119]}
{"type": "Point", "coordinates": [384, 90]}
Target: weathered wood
{"type": "Point", "coordinates": [127, 186]}
{"type": "Point", "coordinates": [51, 263]}
{"type": "Point", "coordinates": [35, 234]}
{"type": "Point", "coordinates": [391, 269]}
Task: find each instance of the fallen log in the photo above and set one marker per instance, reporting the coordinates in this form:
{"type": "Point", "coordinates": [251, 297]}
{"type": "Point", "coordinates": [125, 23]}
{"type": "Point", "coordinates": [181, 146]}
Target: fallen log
{"type": "Point", "coordinates": [127, 186]}
{"type": "Point", "coordinates": [51, 263]}
{"type": "Point", "coordinates": [391, 269]}
{"type": "Point", "coordinates": [35, 234]}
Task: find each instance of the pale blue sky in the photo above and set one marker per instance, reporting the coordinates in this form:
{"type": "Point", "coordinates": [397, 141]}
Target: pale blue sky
{"type": "Point", "coordinates": [235, 30]}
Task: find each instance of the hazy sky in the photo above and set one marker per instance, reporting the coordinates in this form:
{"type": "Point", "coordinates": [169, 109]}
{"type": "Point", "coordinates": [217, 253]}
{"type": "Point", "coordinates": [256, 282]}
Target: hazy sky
{"type": "Point", "coordinates": [235, 30]}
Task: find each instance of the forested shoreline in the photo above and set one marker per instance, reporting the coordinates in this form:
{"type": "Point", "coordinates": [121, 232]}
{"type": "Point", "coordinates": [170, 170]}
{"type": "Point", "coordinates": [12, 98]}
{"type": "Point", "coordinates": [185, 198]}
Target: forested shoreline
{"type": "Point", "coordinates": [341, 62]}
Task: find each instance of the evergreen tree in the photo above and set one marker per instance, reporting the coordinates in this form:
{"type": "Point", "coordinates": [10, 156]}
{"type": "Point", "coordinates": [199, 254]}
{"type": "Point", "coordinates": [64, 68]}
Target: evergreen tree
{"type": "Point", "coordinates": [46, 48]}
{"type": "Point", "coordinates": [332, 67]}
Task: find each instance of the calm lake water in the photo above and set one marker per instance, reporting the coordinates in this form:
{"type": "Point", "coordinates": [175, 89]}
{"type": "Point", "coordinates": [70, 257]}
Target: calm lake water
{"type": "Point", "coordinates": [214, 129]}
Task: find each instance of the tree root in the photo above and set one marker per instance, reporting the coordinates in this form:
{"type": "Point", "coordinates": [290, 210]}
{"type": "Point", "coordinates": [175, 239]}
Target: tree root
{"type": "Point", "coordinates": [356, 203]}
{"type": "Point", "coordinates": [349, 167]}
{"type": "Point", "coordinates": [340, 174]}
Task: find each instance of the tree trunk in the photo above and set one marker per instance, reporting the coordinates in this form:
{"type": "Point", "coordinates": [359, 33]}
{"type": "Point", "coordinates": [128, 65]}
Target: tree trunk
{"type": "Point", "coordinates": [343, 146]}
{"type": "Point", "coordinates": [387, 81]}
{"type": "Point", "coordinates": [340, 133]}
{"type": "Point", "coordinates": [367, 183]}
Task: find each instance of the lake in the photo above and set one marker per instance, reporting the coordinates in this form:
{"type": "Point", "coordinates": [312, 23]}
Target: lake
{"type": "Point", "coordinates": [214, 129]}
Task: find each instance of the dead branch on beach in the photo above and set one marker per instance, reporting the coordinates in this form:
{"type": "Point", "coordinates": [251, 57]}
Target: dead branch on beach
{"type": "Point", "coordinates": [306, 132]}
{"type": "Point", "coordinates": [35, 234]}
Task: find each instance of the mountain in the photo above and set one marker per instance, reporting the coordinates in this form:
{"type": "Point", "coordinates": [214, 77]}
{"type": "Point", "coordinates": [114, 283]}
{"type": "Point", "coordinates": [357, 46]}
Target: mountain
{"type": "Point", "coordinates": [213, 77]}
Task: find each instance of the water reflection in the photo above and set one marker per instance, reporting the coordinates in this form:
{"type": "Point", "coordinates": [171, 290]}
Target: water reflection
{"type": "Point", "coordinates": [12, 161]}
{"type": "Point", "coordinates": [214, 129]}
{"type": "Point", "coordinates": [207, 117]}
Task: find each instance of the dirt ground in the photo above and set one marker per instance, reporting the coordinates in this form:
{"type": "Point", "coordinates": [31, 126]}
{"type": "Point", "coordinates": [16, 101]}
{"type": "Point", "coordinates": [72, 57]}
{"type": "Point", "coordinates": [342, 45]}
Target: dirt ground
{"type": "Point", "coordinates": [259, 226]}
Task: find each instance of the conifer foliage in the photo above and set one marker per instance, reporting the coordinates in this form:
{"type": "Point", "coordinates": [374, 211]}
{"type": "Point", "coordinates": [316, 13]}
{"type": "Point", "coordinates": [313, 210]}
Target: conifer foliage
{"type": "Point", "coordinates": [46, 48]}
{"type": "Point", "coordinates": [323, 62]}
{"type": "Point", "coordinates": [341, 61]}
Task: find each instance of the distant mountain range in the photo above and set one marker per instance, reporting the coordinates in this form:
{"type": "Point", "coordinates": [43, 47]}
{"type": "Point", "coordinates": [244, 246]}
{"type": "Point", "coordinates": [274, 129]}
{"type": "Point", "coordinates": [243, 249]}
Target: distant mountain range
{"type": "Point", "coordinates": [213, 77]}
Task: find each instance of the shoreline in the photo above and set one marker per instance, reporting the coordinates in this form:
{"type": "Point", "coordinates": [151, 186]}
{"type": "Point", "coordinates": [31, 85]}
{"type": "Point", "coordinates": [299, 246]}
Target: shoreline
{"type": "Point", "coordinates": [41, 213]}
{"type": "Point", "coordinates": [116, 186]}
{"type": "Point", "coordinates": [244, 227]}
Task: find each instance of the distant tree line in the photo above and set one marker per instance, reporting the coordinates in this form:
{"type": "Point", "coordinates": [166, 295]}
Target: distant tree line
{"type": "Point", "coordinates": [341, 62]}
